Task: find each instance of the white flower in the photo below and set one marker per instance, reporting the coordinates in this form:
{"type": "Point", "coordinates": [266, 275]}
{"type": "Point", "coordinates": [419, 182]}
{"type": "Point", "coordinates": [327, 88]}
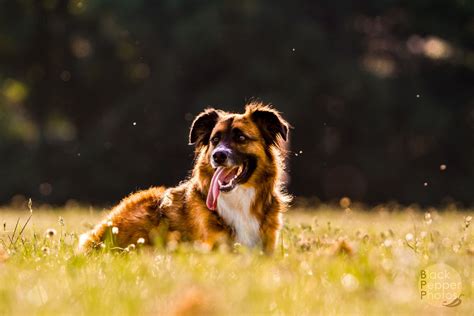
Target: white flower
{"type": "Point", "coordinates": [349, 282]}
{"type": "Point", "coordinates": [446, 242]}
{"type": "Point", "coordinates": [140, 241]}
{"type": "Point", "coordinates": [109, 223]}
{"type": "Point", "coordinates": [115, 230]}
{"type": "Point", "coordinates": [409, 237]}
{"type": "Point", "coordinates": [428, 218]}
{"type": "Point", "coordinates": [45, 250]}
{"type": "Point", "coordinates": [50, 233]}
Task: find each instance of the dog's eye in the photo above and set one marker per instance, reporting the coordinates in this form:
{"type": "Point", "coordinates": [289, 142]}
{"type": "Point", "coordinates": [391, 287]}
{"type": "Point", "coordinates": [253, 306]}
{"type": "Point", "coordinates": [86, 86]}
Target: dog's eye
{"type": "Point", "coordinates": [241, 138]}
{"type": "Point", "coordinates": [215, 140]}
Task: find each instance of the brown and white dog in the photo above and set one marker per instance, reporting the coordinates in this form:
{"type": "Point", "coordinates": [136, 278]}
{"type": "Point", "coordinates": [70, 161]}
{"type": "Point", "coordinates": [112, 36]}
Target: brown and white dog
{"type": "Point", "coordinates": [235, 193]}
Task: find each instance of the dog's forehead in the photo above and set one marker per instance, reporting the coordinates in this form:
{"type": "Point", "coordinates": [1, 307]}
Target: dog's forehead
{"type": "Point", "coordinates": [224, 124]}
{"type": "Point", "coordinates": [239, 121]}
{"type": "Point", "coordinates": [244, 123]}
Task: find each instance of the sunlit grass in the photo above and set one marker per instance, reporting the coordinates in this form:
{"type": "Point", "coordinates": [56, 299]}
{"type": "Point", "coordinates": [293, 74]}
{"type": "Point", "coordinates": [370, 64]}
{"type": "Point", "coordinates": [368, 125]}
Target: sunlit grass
{"type": "Point", "coordinates": [330, 261]}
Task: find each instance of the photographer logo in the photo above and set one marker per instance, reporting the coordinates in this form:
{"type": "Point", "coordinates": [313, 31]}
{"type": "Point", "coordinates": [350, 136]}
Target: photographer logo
{"type": "Point", "coordinates": [440, 285]}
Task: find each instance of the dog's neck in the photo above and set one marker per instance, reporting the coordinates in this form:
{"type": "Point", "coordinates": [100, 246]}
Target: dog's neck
{"type": "Point", "coordinates": [235, 208]}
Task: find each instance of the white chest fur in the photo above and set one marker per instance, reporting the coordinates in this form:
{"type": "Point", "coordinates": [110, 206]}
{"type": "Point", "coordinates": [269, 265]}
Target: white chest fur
{"type": "Point", "coordinates": [234, 208]}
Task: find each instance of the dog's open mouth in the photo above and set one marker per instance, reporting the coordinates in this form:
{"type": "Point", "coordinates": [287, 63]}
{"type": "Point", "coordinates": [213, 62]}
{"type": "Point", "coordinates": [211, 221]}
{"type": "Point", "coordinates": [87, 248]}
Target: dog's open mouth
{"type": "Point", "coordinates": [224, 180]}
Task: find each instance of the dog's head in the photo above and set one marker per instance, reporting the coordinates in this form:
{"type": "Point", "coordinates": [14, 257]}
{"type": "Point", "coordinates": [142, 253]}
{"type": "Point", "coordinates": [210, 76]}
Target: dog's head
{"type": "Point", "coordinates": [238, 149]}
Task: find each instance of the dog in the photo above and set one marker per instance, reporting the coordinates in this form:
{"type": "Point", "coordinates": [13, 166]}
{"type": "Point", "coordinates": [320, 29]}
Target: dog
{"type": "Point", "coordinates": [235, 193]}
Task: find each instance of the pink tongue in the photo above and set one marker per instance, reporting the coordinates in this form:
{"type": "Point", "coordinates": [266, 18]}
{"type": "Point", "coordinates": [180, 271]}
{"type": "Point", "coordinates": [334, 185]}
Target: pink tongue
{"type": "Point", "coordinates": [221, 174]}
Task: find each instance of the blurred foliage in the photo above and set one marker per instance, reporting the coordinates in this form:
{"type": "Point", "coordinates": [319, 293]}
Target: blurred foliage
{"type": "Point", "coordinates": [96, 97]}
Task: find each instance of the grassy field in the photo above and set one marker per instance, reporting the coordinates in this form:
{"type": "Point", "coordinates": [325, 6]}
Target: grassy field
{"type": "Point", "coordinates": [330, 261]}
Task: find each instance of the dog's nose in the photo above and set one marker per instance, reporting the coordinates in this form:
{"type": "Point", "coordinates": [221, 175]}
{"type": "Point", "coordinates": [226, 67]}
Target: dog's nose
{"type": "Point", "coordinates": [219, 157]}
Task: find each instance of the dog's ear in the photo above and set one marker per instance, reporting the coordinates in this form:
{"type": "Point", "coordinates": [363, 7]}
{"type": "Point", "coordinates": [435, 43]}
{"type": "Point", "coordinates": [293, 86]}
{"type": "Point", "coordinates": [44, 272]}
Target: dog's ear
{"type": "Point", "coordinates": [272, 125]}
{"type": "Point", "coordinates": [202, 127]}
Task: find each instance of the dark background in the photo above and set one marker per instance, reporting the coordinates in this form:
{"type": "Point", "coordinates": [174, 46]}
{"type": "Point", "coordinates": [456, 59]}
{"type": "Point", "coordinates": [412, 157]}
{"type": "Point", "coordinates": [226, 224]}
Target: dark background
{"type": "Point", "coordinates": [96, 97]}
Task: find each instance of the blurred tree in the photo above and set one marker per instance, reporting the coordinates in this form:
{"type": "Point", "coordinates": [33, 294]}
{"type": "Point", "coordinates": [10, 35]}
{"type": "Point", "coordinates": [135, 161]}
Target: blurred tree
{"type": "Point", "coordinates": [96, 97]}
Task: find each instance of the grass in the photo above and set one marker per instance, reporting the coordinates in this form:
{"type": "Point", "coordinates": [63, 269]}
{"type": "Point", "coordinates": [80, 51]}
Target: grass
{"type": "Point", "coordinates": [330, 261]}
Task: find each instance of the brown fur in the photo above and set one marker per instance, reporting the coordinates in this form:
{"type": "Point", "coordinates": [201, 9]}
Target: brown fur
{"type": "Point", "coordinates": [183, 208]}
